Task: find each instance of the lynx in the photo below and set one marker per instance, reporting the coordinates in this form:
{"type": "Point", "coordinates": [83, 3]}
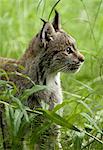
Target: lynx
{"type": "Point", "coordinates": [50, 52]}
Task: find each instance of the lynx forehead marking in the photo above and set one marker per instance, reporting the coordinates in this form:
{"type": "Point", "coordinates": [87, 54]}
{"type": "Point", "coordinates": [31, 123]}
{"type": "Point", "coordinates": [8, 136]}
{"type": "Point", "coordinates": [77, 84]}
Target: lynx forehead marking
{"type": "Point", "coordinates": [61, 41]}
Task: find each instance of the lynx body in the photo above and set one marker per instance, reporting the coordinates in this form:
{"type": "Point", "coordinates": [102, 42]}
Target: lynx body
{"type": "Point", "coordinates": [50, 52]}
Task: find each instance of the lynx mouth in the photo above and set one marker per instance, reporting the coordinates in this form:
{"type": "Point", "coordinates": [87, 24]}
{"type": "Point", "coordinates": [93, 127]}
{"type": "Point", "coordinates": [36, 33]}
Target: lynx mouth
{"type": "Point", "coordinates": [70, 68]}
{"type": "Point", "coordinates": [75, 68]}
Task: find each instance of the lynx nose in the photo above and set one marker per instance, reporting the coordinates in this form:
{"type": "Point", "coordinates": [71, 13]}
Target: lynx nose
{"type": "Point", "coordinates": [81, 57]}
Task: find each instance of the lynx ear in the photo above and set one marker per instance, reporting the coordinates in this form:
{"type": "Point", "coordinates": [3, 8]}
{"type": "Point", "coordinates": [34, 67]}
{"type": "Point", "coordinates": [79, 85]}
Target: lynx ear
{"type": "Point", "coordinates": [47, 32]}
{"type": "Point", "coordinates": [56, 22]}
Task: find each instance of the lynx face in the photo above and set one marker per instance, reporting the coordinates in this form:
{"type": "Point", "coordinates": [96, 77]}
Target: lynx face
{"type": "Point", "coordinates": [66, 57]}
{"type": "Point", "coordinates": [61, 54]}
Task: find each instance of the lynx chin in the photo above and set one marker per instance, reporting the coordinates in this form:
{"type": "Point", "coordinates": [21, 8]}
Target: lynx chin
{"type": "Point", "coordinates": [50, 52]}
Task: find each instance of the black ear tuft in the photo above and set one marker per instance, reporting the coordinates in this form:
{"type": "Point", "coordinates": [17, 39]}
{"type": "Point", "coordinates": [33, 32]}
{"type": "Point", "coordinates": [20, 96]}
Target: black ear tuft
{"type": "Point", "coordinates": [56, 21]}
{"type": "Point", "coordinates": [43, 21]}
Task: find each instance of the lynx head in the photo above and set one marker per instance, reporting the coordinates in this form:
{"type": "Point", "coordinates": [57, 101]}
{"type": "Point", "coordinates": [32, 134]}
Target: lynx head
{"type": "Point", "coordinates": [58, 50]}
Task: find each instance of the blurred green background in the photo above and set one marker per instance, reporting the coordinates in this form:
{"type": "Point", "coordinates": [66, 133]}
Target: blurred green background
{"type": "Point", "coordinates": [83, 19]}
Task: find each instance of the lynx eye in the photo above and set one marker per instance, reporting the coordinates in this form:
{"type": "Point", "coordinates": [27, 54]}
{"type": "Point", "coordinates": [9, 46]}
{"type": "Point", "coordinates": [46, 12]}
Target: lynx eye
{"type": "Point", "coordinates": [69, 50]}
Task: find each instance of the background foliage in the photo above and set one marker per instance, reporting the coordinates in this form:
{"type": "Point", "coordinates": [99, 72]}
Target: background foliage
{"type": "Point", "coordinates": [83, 92]}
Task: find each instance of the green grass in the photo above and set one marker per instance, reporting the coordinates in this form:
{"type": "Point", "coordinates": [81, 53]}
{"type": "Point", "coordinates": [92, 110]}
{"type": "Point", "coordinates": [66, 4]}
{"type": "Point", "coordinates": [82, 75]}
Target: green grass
{"type": "Point", "coordinates": [83, 92]}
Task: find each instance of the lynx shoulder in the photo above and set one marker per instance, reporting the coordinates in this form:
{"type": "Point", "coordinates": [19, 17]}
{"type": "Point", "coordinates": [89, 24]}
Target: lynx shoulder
{"type": "Point", "coordinates": [50, 52]}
